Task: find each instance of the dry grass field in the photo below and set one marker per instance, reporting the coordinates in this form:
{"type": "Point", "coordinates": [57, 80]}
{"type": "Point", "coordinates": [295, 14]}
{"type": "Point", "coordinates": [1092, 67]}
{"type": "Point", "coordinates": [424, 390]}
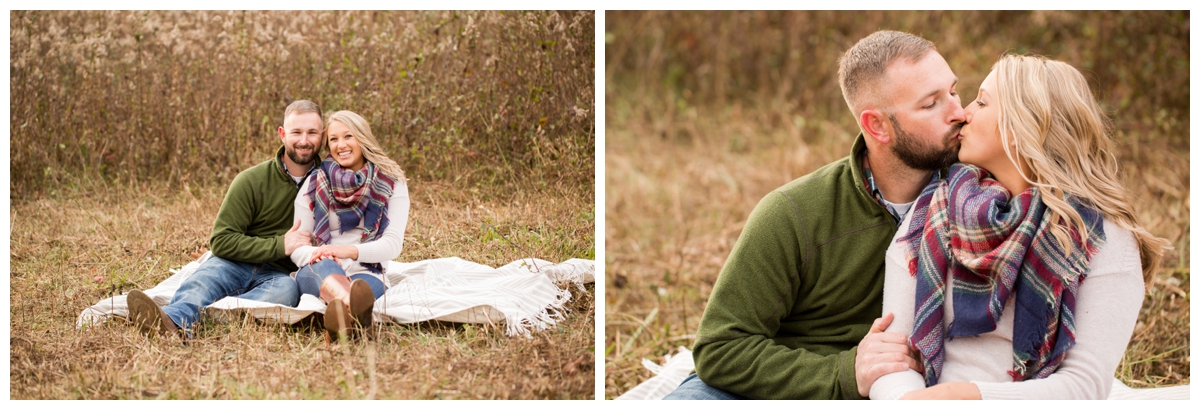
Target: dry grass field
{"type": "Point", "coordinates": [135, 123]}
{"type": "Point", "coordinates": [708, 112]}
{"type": "Point", "coordinates": [62, 241]}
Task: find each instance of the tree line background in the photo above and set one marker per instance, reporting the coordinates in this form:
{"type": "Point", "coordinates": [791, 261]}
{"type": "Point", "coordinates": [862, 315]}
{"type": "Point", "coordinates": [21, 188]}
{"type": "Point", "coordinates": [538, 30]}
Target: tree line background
{"type": "Point", "coordinates": [194, 97]}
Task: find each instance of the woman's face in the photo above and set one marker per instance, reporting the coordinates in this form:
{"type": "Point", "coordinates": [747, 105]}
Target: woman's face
{"type": "Point", "coordinates": [343, 146]}
{"type": "Point", "coordinates": [981, 144]}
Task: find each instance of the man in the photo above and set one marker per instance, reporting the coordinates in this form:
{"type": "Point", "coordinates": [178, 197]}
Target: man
{"type": "Point", "coordinates": [790, 316]}
{"type": "Point", "coordinates": [251, 239]}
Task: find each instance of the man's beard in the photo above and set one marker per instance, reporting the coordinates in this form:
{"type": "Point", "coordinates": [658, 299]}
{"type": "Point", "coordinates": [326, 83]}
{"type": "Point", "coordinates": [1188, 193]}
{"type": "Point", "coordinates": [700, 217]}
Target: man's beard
{"type": "Point", "coordinates": [918, 156]}
{"type": "Point", "coordinates": [295, 156]}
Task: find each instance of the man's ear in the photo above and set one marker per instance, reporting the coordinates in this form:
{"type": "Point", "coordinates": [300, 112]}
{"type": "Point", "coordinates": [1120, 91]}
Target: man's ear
{"type": "Point", "coordinates": [875, 126]}
{"type": "Point", "coordinates": [281, 134]}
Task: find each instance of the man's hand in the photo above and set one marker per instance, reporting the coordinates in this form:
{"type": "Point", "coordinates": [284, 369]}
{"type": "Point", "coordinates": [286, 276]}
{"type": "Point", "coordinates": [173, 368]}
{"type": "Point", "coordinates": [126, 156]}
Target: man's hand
{"type": "Point", "coordinates": [294, 239]}
{"type": "Point", "coordinates": [881, 353]}
{"type": "Point", "coordinates": [946, 391]}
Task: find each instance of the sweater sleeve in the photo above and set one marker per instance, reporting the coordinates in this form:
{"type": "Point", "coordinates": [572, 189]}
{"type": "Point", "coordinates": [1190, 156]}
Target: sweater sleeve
{"type": "Point", "coordinates": [899, 293]}
{"type": "Point", "coordinates": [758, 286]}
{"type": "Point", "coordinates": [1106, 312]}
{"type": "Point", "coordinates": [388, 246]}
{"type": "Point", "coordinates": [304, 214]}
{"type": "Point", "coordinates": [229, 239]}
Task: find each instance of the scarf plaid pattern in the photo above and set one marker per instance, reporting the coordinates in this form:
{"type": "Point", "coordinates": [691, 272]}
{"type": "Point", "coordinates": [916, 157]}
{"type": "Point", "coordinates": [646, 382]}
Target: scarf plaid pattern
{"type": "Point", "coordinates": [354, 197]}
{"type": "Point", "coordinates": [966, 228]}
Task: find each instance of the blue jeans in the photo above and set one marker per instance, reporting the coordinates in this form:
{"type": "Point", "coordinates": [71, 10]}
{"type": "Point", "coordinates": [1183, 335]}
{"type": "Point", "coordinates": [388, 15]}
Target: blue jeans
{"type": "Point", "coordinates": [310, 276]}
{"type": "Point", "coordinates": [217, 278]}
{"type": "Point", "coordinates": [694, 389]}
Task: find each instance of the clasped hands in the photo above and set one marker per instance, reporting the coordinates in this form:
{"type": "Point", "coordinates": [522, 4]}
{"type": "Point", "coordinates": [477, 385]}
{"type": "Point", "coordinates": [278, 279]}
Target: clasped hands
{"type": "Point", "coordinates": [295, 238]}
{"type": "Point", "coordinates": [881, 353]}
{"type": "Point", "coordinates": [334, 251]}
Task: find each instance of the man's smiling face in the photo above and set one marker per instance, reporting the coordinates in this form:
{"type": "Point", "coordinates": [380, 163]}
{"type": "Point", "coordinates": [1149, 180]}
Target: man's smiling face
{"type": "Point", "coordinates": [301, 134]}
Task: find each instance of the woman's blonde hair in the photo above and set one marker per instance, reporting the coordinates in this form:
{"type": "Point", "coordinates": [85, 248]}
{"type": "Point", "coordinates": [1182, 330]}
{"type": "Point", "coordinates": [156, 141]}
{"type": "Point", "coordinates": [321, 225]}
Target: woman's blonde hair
{"type": "Point", "coordinates": [366, 140]}
{"type": "Point", "coordinates": [1047, 114]}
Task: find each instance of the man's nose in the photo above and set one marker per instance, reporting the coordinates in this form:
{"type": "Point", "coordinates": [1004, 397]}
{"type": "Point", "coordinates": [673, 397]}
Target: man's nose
{"type": "Point", "coordinates": [961, 115]}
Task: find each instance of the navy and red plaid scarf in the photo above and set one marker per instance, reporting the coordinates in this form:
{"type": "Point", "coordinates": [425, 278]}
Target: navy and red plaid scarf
{"type": "Point", "coordinates": [355, 197]}
{"type": "Point", "coordinates": [966, 228]}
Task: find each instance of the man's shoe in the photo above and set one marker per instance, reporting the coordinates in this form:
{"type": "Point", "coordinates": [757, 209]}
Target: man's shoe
{"type": "Point", "coordinates": [148, 317]}
{"type": "Point", "coordinates": [362, 303]}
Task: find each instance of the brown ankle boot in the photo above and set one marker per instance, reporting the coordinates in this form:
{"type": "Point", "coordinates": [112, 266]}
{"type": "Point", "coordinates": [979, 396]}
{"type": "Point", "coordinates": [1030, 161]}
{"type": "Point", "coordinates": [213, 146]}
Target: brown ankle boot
{"type": "Point", "coordinates": [335, 287]}
{"type": "Point", "coordinates": [338, 321]}
{"type": "Point", "coordinates": [362, 303]}
{"type": "Point", "coordinates": [335, 292]}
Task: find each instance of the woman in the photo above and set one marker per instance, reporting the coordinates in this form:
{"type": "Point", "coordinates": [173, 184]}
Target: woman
{"type": "Point", "coordinates": [355, 205]}
{"type": "Point", "coordinates": [1031, 248]}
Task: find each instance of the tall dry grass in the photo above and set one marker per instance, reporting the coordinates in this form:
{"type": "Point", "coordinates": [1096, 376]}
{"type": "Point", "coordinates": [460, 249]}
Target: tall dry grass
{"type": "Point", "coordinates": [194, 97]}
{"type": "Point", "coordinates": [134, 123]}
{"type": "Point", "coordinates": [708, 112]}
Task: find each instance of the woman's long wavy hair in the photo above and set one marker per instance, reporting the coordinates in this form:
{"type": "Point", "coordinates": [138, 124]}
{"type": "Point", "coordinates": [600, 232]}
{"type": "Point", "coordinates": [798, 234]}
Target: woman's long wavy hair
{"type": "Point", "coordinates": [366, 140]}
{"type": "Point", "coordinates": [1056, 127]}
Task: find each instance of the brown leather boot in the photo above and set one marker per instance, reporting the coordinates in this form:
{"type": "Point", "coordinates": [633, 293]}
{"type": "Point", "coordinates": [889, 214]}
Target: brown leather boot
{"type": "Point", "coordinates": [362, 303]}
{"type": "Point", "coordinates": [335, 292]}
{"type": "Point", "coordinates": [338, 321]}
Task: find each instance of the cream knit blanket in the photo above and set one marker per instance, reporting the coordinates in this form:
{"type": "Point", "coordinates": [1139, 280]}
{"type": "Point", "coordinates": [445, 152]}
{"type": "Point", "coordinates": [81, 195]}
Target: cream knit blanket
{"type": "Point", "coordinates": [527, 295]}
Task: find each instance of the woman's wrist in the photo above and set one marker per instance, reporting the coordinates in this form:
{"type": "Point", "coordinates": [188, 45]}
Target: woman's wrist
{"type": "Point", "coordinates": [946, 391]}
{"type": "Point", "coordinates": [349, 252]}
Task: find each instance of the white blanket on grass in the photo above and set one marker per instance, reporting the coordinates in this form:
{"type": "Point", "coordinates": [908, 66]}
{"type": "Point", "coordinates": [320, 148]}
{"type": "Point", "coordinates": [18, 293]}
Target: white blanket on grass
{"type": "Point", "coordinates": [527, 294]}
{"type": "Point", "coordinates": [668, 377]}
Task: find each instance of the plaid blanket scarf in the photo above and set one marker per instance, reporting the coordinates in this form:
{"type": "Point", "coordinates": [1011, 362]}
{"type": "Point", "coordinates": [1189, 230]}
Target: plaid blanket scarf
{"type": "Point", "coordinates": [965, 229]}
{"type": "Point", "coordinates": [354, 197]}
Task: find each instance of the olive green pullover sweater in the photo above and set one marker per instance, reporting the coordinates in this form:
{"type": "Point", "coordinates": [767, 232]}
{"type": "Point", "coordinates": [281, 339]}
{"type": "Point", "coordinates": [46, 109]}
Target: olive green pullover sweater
{"type": "Point", "coordinates": [257, 211]}
{"type": "Point", "coordinates": [800, 289]}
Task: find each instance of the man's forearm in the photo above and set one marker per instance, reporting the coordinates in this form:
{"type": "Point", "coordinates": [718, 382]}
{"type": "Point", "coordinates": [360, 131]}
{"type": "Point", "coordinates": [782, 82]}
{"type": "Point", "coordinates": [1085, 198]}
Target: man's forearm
{"type": "Point", "coordinates": [755, 366]}
{"type": "Point", "coordinates": [238, 247]}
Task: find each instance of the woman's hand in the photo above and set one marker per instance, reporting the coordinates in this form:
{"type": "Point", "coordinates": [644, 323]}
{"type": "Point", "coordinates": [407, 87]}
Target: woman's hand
{"type": "Point", "coordinates": [334, 251]}
{"type": "Point", "coordinates": [946, 391]}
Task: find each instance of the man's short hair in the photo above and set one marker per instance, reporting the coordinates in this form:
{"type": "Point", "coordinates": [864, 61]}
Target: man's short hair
{"type": "Point", "coordinates": [302, 107]}
{"type": "Point", "coordinates": [862, 66]}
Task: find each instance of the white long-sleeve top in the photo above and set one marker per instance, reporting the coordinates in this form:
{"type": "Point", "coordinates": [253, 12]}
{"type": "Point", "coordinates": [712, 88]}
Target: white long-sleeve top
{"type": "Point", "coordinates": [387, 247]}
{"type": "Point", "coordinates": [1106, 310]}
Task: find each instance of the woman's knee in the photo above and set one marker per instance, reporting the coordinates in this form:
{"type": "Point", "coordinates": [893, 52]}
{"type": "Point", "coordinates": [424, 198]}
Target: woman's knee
{"type": "Point", "coordinates": [310, 277]}
{"type": "Point", "coordinates": [323, 268]}
{"type": "Point", "coordinates": [328, 265]}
